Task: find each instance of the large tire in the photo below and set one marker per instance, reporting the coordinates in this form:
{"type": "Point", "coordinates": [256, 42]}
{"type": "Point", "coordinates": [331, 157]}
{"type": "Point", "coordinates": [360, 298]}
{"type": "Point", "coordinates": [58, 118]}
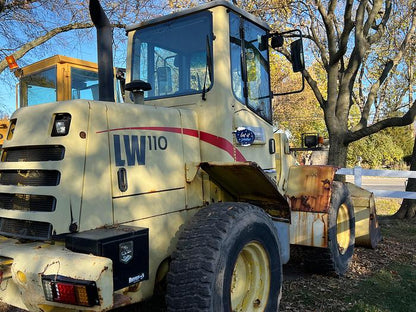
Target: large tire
{"type": "Point", "coordinates": [227, 259]}
{"type": "Point", "coordinates": [336, 257]}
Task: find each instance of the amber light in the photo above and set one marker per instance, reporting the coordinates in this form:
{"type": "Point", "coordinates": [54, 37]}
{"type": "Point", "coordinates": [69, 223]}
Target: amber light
{"type": "Point", "coordinates": [11, 62]}
{"type": "Point", "coordinates": [70, 291]}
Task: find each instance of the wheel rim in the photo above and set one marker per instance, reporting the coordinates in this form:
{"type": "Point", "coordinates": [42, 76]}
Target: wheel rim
{"type": "Point", "coordinates": [250, 282]}
{"type": "Point", "coordinates": [343, 229]}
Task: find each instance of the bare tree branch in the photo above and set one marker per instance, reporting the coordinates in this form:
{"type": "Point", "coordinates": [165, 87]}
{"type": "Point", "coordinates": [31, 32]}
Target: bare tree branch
{"type": "Point", "coordinates": [38, 41]}
{"type": "Point", "coordinates": [372, 14]}
{"type": "Point", "coordinates": [348, 27]}
{"type": "Point", "coordinates": [405, 120]}
{"type": "Point", "coordinates": [381, 28]}
{"type": "Point", "coordinates": [329, 26]}
{"type": "Point", "coordinates": [14, 4]}
{"type": "Point", "coordinates": [388, 67]}
{"type": "Point", "coordinates": [314, 86]}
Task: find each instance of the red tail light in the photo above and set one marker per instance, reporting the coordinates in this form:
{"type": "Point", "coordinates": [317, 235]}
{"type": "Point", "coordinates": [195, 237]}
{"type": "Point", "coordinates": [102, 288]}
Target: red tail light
{"type": "Point", "coordinates": [70, 291]}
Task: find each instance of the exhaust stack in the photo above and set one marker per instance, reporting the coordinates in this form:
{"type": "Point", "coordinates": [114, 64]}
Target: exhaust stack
{"type": "Point", "coordinates": [104, 51]}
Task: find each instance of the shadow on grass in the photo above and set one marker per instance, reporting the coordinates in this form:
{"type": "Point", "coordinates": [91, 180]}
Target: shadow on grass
{"type": "Point", "coordinates": [391, 289]}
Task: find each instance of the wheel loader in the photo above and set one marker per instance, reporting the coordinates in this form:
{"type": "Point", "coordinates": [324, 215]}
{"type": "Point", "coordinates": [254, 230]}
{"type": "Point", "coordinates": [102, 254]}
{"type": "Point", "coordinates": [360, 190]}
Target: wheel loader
{"type": "Point", "coordinates": [184, 187]}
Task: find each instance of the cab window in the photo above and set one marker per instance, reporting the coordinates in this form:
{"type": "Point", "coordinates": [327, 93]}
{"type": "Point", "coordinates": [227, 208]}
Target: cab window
{"type": "Point", "coordinates": [250, 66]}
{"type": "Point", "coordinates": [174, 56]}
{"type": "Point", "coordinates": [84, 84]}
{"type": "Point", "coordinates": [38, 87]}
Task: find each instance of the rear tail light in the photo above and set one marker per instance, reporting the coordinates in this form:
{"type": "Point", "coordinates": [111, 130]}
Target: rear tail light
{"type": "Point", "coordinates": [70, 291]}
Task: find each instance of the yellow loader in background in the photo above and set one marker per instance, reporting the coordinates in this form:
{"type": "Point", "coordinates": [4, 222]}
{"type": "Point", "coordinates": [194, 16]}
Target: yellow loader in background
{"type": "Point", "coordinates": [59, 78]}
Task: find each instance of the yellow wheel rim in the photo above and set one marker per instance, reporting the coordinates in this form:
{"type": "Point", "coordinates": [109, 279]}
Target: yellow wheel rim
{"type": "Point", "coordinates": [250, 282]}
{"type": "Point", "coordinates": [343, 229]}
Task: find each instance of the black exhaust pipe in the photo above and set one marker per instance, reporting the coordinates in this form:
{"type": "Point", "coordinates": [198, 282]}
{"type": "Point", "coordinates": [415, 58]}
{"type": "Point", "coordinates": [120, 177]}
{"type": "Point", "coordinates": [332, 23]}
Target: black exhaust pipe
{"type": "Point", "coordinates": [104, 51]}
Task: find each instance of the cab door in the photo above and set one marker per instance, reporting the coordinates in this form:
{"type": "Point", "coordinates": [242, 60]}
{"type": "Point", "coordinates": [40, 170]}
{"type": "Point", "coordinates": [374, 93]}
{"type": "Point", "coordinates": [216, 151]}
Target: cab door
{"type": "Point", "coordinates": [251, 89]}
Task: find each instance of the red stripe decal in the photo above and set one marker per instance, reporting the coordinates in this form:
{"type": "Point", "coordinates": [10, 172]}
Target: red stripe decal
{"type": "Point", "coordinates": [222, 144]}
{"type": "Point", "coordinates": [191, 132]}
{"type": "Point", "coordinates": [206, 137]}
{"type": "Point", "coordinates": [166, 129]}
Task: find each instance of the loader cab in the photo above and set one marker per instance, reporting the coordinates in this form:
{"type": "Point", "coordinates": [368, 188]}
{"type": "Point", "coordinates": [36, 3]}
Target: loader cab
{"type": "Point", "coordinates": [214, 60]}
{"type": "Point", "coordinates": [60, 78]}
{"type": "Point", "coordinates": [216, 46]}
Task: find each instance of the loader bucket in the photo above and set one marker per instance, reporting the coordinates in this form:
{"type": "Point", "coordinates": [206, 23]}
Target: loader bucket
{"type": "Point", "coordinates": [367, 229]}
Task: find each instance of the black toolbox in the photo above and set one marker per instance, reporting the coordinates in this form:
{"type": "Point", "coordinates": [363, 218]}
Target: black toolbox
{"type": "Point", "coordinates": [126, 246]}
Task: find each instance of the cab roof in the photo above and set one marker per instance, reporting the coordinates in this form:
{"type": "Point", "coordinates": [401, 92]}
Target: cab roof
{"type": "Point", "coordinates": [200, 8]}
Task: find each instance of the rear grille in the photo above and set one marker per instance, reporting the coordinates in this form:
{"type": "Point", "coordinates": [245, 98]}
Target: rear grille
{"type": "Point", "coordinates": [25, 229]}
{"type": "Point", "coordinates": [33, 153]}
{"type": "Point", "coordinates": [30, 177]}
{"type": "Point", "coordinates": [25, 202]}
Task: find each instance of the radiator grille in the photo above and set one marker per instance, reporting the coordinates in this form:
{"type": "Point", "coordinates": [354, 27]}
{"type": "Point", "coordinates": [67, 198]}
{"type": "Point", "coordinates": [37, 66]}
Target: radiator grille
{"type": "Point", "coordinates": [33, 153]}
{"type": "Point", "coordinates": [25, 229]}
{"type": "Point", "coordinates": [30, 177]}
{"type": "Point", "coordinates": [25, 202]}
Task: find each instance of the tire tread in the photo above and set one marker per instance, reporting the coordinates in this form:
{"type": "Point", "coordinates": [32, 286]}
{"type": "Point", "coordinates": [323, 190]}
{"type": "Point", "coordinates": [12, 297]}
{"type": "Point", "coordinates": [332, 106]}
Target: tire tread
{"type": "Point", "coordinates": [197, 251]}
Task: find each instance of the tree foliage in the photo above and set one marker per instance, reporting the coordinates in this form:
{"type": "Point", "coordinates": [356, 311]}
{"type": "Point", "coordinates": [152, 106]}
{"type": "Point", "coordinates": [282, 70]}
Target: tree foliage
{"type": "Point", "coordinates": [382, 149]}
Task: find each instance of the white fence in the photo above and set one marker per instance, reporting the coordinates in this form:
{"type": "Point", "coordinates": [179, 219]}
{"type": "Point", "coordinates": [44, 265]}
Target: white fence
{"type": "Point", "coordinates": [359, 172]}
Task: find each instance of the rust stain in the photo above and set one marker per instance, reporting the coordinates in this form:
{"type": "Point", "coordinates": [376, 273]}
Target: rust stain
{"type": "Point", "coordinates": [314, 194]}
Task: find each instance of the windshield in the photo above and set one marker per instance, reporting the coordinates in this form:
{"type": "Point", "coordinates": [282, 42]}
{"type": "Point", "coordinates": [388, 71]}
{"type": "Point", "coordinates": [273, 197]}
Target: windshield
{"type": "Point", "coordinates": [173, 56]}
{"type": "Point", "coordinates": [38, 88]}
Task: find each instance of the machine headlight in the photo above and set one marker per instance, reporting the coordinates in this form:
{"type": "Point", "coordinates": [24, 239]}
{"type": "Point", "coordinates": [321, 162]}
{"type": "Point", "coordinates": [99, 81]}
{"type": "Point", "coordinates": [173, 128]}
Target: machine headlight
{"type": "Point", "coordinates": [61, 124]}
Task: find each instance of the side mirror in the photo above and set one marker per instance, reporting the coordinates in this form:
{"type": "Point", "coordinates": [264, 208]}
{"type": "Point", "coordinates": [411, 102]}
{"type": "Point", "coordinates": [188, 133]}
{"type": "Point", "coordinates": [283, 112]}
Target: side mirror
{"type": "Point", "coordinates": [296, 54]}
{"type": "Point", "coordinates": [277, 41]}
{"type": "Point", "coordinates": [298, 59]}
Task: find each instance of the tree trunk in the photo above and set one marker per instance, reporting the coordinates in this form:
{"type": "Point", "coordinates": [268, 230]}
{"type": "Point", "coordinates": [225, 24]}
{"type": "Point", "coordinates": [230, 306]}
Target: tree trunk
{"type": "Point", "coordinates": [408, 208]}
{"type": "Point", "coordinates": [337, 155]}
{"type": "Point", "coordinates": [337, 151]}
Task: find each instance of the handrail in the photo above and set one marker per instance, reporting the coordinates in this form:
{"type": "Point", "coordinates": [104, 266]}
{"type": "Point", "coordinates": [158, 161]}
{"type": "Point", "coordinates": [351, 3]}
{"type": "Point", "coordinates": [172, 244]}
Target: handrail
{"type": "Point", "coordinates": [359, 172]}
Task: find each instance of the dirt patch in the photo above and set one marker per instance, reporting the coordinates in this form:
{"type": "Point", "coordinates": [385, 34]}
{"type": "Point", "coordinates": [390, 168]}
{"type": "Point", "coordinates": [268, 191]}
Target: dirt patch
{"type": "Point", "coordinates": [304, 292]}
